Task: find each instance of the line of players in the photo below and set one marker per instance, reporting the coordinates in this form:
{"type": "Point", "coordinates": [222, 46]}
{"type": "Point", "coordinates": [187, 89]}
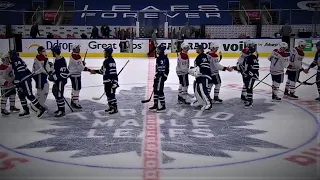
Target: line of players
{"type": "Point", "coordinates": [15, 75]}
{"type": "Point", "coordinates": [206, 72]}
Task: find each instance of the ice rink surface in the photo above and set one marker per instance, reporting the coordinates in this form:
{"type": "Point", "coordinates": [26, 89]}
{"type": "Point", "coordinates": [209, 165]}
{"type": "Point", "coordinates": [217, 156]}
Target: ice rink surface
{"type": "Point", "coordinates": [268, 141]}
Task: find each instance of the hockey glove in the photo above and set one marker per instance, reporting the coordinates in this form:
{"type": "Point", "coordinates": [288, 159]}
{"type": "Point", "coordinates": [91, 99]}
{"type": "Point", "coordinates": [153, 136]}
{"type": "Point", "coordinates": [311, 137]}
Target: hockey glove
{"type": "Point", "coordinates": [84, 63]}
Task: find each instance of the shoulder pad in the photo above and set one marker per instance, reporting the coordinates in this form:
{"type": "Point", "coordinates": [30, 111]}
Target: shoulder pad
{"type": "Point", "coordinates": [75, 56]}
{"type": "Point", "coordinates": [300, 52]}
{"type": "Point", "coordinates": [41, 57]}
{"type": "Point", "coordinates": [184, 56]}
{"type": "Point", "coordinates": [3, 67]}
{"type": "Point", "coordinates": [212, 54]}
{"type": "Point", "coordinates": [245, 51]}
{"type": "Point", "coordinates": [283, 54]}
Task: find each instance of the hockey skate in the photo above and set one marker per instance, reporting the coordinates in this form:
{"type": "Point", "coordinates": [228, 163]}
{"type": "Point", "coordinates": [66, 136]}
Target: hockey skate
{"type": "Point", "coordinates": [42, 111]}
{"type": "Point", "coordinates": [162, 109]}
{"type": "Point", "coordinates": [60, 113]}
{"type": "Point", "coordinates": [25, 114]}
{"type": "Point", "coordinates": [113, 110]}
{"type": "Point", "coordinates": [293, 96]}
{"type": "Point", "coordinates": [275, 98]}
{"type": "Point", "coordinates": [13, 109]}
{"type": "Point", "coordinates": [154, 108]}
{"type": "Point", "coordinates": [248, 104]}
{"type": "Point", "coordinates": [76, 105]}
{"type": "Point", "coordinates": [4, 112]}
{"type": "Point", "coordinates": [286, 93]}
{"type": "Point", "coordinates": [217, 100]}
{"type": "Point", "coordinates": [206, 107]}
{"type": "Point", "coordinates": [182, 100]}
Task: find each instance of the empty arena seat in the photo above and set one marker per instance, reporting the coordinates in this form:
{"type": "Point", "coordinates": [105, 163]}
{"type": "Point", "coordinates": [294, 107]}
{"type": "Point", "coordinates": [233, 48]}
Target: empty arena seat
{"type": "Point", "coordinates": [178, 11]}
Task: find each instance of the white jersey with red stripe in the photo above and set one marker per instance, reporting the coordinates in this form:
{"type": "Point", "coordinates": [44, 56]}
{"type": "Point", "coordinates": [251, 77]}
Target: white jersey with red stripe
{"type": "Point", "coordinates": [278, 61]}
{"type": "Point", "coordinates": [6, 75]}
{"type": "Point", "coordinates": [215, 65]}
{"type": "Point", "coordinates": [183, 64]}
{"type": "Point", "coordinates": [296, 57]}
{"type": "Point", "coordinates": [75, 65]}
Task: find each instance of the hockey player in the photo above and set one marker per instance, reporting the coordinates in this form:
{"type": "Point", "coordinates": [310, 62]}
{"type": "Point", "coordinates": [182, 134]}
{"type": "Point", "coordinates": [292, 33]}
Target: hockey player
{"type": "Point", "coordinates": [182, 69]}
{"type": "Point", "coordinates": [161, 75]}
{"type": "Point", "coordinates": [316, 62]}
{"type": "Point", "coordinates": [76, 66]}
{"type": "Point", "coordinates": [60, 78]}
{"type": "Point", "coordinates": [110, 79]}
{"type": "Point", "coordinates": [40, 67]}
{"type": "Point", "coordinates": [278, 61]}
{"type": "Point", "coordinates": [23, 82]}
{"type": "Point", "coordinates": [6, 86]}
{"type": "Point", "coordinates": [250, 74]}
{"type": "Point", "coordinates": [203, 76]}
{"type": "Point", "coordinates": [240, 67]}
{"type": "Point", "coordinates": [215, 68]}
{"type": "Point", "coordinates": [294, 69]}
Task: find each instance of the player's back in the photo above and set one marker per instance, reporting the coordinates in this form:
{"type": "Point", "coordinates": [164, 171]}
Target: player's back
{"type": "Point", "coordinates": [296, 58]}
{"type": "Point", "coordinates": [278, 61]}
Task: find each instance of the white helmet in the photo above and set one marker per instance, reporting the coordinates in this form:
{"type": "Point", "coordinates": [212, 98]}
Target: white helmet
{"type": "Point", "coordinates": [76, 46]}
{"type": "Point", "coordinates": [250, 43]}
{"type": "Point", "coordinates": [185, 46]}
{"type": "Point", "coordinates": [214, 46]}
{"type": "Point", "coordinates": [5, 57]}
{"type": "Point", "coordinates": [283, 45]}
{"type": "Point", "coordinates": [302, 44]}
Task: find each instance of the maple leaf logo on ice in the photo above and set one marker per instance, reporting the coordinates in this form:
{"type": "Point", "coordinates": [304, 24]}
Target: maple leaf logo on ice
{"type": "Point", "coordinates": [183, 129]}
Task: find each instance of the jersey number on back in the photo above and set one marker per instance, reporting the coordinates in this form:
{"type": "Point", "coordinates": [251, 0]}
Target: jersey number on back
{"type": "Point", "coordinates": [276, 60]}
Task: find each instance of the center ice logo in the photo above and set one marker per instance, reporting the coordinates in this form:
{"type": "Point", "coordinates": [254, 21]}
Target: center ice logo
{"type": "Point", "coordinates": [183, 129]}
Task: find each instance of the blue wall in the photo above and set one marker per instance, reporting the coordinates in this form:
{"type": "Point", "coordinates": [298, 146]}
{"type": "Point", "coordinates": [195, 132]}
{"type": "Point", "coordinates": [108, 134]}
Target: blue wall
{"type": "Point", "coordinates": [178, 17]}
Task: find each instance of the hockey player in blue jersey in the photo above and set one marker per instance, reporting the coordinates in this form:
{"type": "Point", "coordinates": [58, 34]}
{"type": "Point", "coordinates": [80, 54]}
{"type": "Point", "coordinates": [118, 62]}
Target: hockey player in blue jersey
{"type": "Point", "coordinates": [316, 62]}
{"type": "Point", "coordinates": [22, 81]}
{"type": "Point", "coordinates": [202, 73]}
{"type": "Point", "coordinates": [250, 74]}
{"type": "Point", "coordinates": [110, 79]}
{"type": "Point", "coordinates": [161, 75]}
{"type": "Point", "coordinates": [60, 78]}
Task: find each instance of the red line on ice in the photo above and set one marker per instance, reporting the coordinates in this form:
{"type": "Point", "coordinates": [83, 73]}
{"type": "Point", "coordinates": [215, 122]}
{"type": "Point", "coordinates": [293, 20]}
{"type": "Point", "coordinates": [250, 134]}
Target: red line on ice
{"type": "Point", "coordinates": [151, 141]}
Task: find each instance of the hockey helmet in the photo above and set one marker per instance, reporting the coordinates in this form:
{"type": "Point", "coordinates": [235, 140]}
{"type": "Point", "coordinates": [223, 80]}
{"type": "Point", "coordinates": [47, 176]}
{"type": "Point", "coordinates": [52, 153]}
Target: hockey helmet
{"type": "Point", "coordinates": [251, 50]}
{"type": "Point", "coordinates": [302, 44]}
{"type": "Point", "coordinates": [56, 50]}
{"type": "Point", "coordinates": [185, 46]}
{"type": "Point", "coordinates": [41, 49]}
{"type": "Point", "coordinates": [318, 44]}
{"type": "Point", "coordinates": [161, 49]}
{"type": "Point", "coordinates": [283, 45]}
{"type": "Point", "coordinates": [108, 50]}
{"type": "Point", "coordinates": [249, 43]}
{"type": "Point", "coordinates": [13, 54]}
{"type": "Point", "coordinates": [5, 58]}
{"type": "Point", "coordinates": [214, 46]}
{"type": "Point", "coordinates": [76, 48]}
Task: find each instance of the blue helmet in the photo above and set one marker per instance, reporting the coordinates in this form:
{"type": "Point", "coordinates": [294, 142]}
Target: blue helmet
{"type": "Point", "coordinates": [318, 44]}
{"type": "Point", "coordinates": [200, 47]}
{"type": "Point", "coordinates": [13, 54]}
{"type": "Point", "coordinates": [251, 49]}
{"type": "Point", "coordinates": [108, 50]}
{"type": "Point", "coordinates": [56, 50]}
{"type": "Point", "coordinates": [161, 48]}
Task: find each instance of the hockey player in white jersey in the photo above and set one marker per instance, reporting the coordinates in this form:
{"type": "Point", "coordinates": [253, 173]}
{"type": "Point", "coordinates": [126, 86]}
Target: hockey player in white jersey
{"type": "Point", "coordinates": [294, 69]}
{"type": "Point", "coordinates": [41, 66]}
{"type": "Point", "coordinates": [240, 68]}
{"type": "Point", "coordinates": [6, 86]}
{"type": "Point", "coordinates": [278, 61]}
{"type": "Point", "coordinates": [215, 66]}
{"type": "Point", "coordinates": [76, 66]}
{"type": "Point", "coordinates": [182, 69]}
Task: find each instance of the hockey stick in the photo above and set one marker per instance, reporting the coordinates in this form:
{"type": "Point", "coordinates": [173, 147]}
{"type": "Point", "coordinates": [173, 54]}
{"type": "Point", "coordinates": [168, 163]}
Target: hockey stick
{"type": "Point", "coordinates": [85, 56]}
{"type": "Point", "coordinates": [23, 79]}
{"type": "Point", "coordinates": [147, 100]}
{"type": "Point", "coordinates": [267, 84]}
{"type": "Point", "coordinates": [305, 81]}
{"type": "Point", "coordinates": [98, 98]}
{"type": "Point", "coordinates": [261, 81]}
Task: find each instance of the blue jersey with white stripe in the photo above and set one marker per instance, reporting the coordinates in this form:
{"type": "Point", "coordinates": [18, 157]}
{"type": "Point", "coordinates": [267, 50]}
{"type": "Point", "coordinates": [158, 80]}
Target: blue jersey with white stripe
{"type": "Point", "coordinates": [162, 66]}
{"type": "Point", "coordinates": [251, 66]}
{"type": "Point", "coordinates": [60, 69]}
{"type": "Point", "coordinates": [202, 61]}
{"type": "Point", "coordinates": [109, 70]}
{"type": "Point", "coordinates": [19, 68]}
